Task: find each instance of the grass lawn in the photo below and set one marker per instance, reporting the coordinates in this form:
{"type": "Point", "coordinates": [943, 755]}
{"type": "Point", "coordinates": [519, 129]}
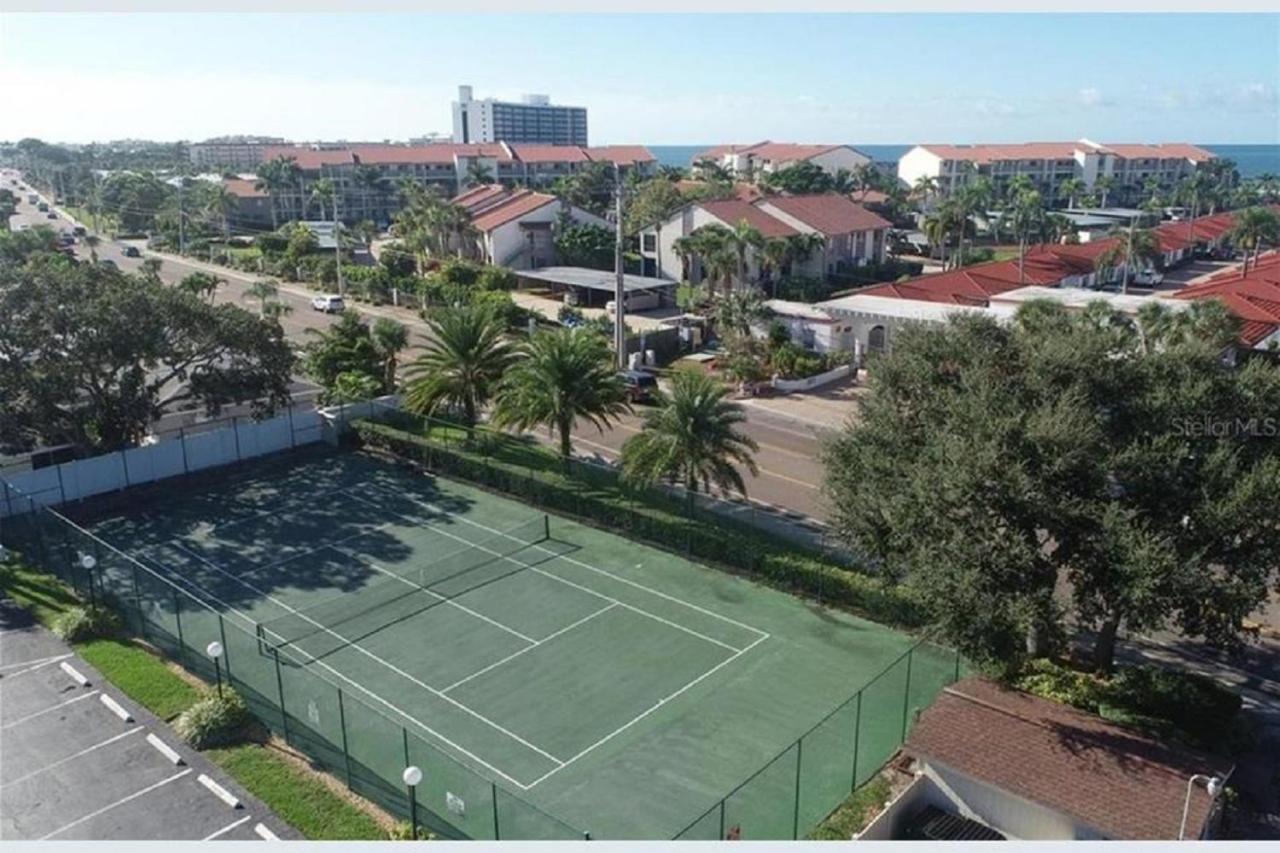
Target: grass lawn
{"type": "Point", "coordinates": [854, 813]}
{"type": "Point", "coordinates": [299, 797]}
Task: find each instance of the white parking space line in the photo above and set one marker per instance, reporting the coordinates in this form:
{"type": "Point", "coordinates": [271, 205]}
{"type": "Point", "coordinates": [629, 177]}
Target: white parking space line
{"type": "Point", "coordinates": [22, 720]}
{"type": "Point", "coordinates": [74, 673]}
{"type": "Point", "coordinates": [265, 834]}
{"type": "Point", "coordinates": [219, 791]}
{"type": "Point", "coordinates": [228, 828]}
{"type": "Point", "coordinates": [34, 663]}
{"type": "Point", "coordinates": [163, 748]}
{"type": "Point", "coordinates": [118, 802]}
{"type": "Point", "coordinates": [116, 708]}
{"type": "Point", "coordinates": [62, 761]}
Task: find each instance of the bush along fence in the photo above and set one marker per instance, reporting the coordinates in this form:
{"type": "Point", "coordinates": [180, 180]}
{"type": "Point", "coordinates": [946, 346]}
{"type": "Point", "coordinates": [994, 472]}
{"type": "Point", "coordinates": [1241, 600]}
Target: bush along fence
{"type": "Point", "coordinates": [598, 495]}
{"type": "Point", "coordinates": [344, 728]}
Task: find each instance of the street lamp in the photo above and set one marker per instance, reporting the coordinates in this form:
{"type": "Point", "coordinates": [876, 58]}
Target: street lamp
{"type": "Point", "coordinates": [1212, 784]}
{"type": "Point", "coordinates": [88, 562]}
{"type": "Point", "coordinates": [412, 775]}
{"type": "Point", "coordinates": [215, 651]}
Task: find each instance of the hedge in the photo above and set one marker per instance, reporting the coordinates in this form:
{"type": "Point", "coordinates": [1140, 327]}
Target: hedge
{"type": "Point", "coordinates": [598, 496]}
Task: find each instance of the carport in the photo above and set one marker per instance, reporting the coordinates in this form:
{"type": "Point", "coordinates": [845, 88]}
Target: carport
{"type": "Point", "coordinates": [592, 288]}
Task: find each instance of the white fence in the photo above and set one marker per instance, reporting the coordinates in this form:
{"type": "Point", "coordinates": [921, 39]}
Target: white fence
{"type": "Point", "coordinates": [190, 450]}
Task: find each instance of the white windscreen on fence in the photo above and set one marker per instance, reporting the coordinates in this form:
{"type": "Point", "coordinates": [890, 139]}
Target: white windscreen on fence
{"type": "Point", "coordinates": [232, 442]}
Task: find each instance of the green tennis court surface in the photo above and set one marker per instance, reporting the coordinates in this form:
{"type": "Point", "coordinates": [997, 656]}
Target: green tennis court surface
{"type": "Point", "coordinates": [614, 686]}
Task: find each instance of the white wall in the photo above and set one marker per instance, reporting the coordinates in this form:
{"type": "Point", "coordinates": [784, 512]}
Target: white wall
{"type": "Point", "coordinates": [509, 238]}
{"type": "Point", "coordinates": [1015, 817]}
{"type": "Point", "coordinates": [917, 163]}
{"type": "Point", "coordinates": [840, 158]}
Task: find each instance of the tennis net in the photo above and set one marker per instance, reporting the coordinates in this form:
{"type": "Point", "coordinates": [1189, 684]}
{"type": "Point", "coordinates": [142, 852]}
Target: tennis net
{"type": "Point", "coordinates": [334, 623]}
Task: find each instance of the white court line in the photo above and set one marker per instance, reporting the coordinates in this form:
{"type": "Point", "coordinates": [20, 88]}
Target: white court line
{"type": "Point", "coordinates": [664, 700]}
{"type": "Point", "coordinates": [22, 720]}
{"type": "Point", "coordinates": [515, 655]}
{"type": "Point", "coordinates": [227, 828]}
{"type": "Point", "coordinates": [118, 802]}
{"type": "Point", "coordinates": [362, 650]}
{"type": "Point", "coordinates": [79, 754]}
{"type": "Point", "coordinates": [567, 582]}
{"type": "Point", "coordinates": [35, 664]}
{"type": "Point", "coordinates": [200, 594]}
{"type": "Point", "coordinates": [428, 591]}
{"type": "Point", "coordinates": [435, 509]}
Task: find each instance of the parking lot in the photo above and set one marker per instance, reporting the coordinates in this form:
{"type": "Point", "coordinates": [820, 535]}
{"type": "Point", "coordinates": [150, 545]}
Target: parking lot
{"type": "Point", "coordinates": [79, 760]}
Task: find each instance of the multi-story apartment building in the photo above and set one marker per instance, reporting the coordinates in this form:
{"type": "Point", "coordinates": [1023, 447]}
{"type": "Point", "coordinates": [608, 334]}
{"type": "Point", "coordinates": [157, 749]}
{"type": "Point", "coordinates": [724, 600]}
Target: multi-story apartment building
{"type": "Point", "coordinates": [1048, 164]}
{"type": "Point", "coordinates": [231, 152]}
{"type": "Point", "coordinates": [365, 177]}
{"type": "Point", "coordinates": [765, 157]}
{"type": "Point", "coordinates": [532, 120]}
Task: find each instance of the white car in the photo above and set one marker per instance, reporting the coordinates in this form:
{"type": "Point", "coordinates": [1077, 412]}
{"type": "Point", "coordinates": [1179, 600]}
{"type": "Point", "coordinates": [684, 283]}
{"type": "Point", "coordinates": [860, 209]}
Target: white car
{"type": "Point", "coordinates": [331, 304]}
{"type": "Point", "coordinates": [1148, 278]}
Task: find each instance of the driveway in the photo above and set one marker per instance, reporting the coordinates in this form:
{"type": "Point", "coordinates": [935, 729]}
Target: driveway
{"type": "Point", "coordinates": [80, 760]}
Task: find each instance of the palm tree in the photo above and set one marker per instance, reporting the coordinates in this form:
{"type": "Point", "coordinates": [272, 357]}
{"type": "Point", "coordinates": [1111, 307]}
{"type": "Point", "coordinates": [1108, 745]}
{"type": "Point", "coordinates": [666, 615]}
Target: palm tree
{"type": "Point", "coordinates": [324, 192]}
{"type": "Point", "coordinates": [265, 290]}
{"type": "Point", "coordinates": [220, 203]}
{"type": "Point", "coordinates": [1139, 245]}
{"type": "Point", "coordinates": [202, 285]}
{"type": "Point", "coordinates": [937, 229]}
{"type": "Point", "coordinates": [1104, 186]}
{"type": "Point", "coordinates": [775, 254]}
{"type": "Point", "coordinates": [274, 177]}
{"type": "Point", "coordinates": [366, 232]}
{"type": "Point", "coordinates": [744, 237]}
{"type": "Point", "coordinates": [560, 376]}
{"type": "Point", "coordinates": [1253, 227]}
{"type": "Point", "coordinates": [92, 241]}
{"type": "Point", "coordinates": [466, 354]}
{"type": "Point", "coordinates": [1026, 218]}
{"type": "Point", "coordinates": [692, 438]}
{"type": "Point", "coordinates": [371, 182]}
{"type": "Point", "coordinates": [478, 173]}
{"type": "Point", "coordinates": [1072, 189]}
{"type": "Point", "coordinates": [924, 189]}
{"type": "Point", "coordinates": [389, 337]}
{"type": "Point", "coordinates": [736, 311]}
{"type": "Point", "coordinates": [711, 246]}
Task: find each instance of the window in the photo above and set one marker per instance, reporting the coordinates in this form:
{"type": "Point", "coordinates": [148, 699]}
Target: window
{"type": "Point", "coordinates": [650, 242]}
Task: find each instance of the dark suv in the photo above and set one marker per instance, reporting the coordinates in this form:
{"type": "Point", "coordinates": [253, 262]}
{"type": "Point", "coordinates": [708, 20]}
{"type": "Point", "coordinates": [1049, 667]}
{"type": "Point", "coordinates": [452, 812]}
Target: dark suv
{"type": "Point", "coordinates": [639, 384]}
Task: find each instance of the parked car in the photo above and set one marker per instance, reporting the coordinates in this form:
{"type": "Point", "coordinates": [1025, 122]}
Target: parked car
{"type": "Point", "coordinates": [639, 385]}
{"type": "Point", "coordinates": [131, 252]}
{"type": "Point", "coordinates": [79, 231]}
{"type": "Point", "coordinates": [108, 264]}
{"type": "Point", "coordinates": [1148, 278]}
{"type": "Point", "coordinates": [331, 304]}
{"type": "Point", "coordinates": [51, 215]}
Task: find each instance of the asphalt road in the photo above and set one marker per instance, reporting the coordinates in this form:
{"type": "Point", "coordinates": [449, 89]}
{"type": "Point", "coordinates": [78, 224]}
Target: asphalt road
{"type": "Point", "coordinates": [790, 473]}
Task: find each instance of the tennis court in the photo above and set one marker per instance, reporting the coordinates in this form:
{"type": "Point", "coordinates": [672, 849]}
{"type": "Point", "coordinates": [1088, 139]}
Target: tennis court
{"type": "Point", "coordinates": [596, 684]}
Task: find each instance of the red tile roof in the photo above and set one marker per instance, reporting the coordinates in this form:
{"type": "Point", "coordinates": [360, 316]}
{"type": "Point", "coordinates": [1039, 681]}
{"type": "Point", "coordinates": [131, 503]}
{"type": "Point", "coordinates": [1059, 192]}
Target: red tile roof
{"type": "Point", "coordinates": [550, 154]}
{"type": "Point", "coordinates": [520, 203]}
{"type": "Point", "coordinates": [1121, 783]}
{"type": "Point", "coordinates": [1254, 297]}
{"type": "Point", "coordinates": [777, 152]}
{"type": "Point", "coordinates": [241, 188]}
{"type": "Point", "coordinates": [481, 197]}
{"type": "Point", "coordinates": [829, 213]}
{"type": "Point", "coordinates": [732, 211]}
{"type": "Point", "coordinates": [988, 153]}
{"type": "Point", "coordinates": [1164, 151]}
{"type": "Point", "coordinates": [438, 154]}
{"type": "Point", "coordinates": [623, 155]}
{"type": "Point", "coordinates": [309, 158]}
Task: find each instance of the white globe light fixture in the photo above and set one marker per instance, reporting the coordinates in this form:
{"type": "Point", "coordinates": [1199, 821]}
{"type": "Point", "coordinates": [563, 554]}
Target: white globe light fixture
{"type": "Point", "coordinates": [216, 651]}
{"type": "Point", "coordinates": [412, 775]}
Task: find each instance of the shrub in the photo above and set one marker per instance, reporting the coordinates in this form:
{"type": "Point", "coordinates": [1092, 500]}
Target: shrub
{"type": "Point", "coordinates": [1059, 683]}
{"type": "Point", "coordinates": [215, 720]}
{"type": "Point", "coordinates": [85, 623]}
{"type": "Point", "coordinates": [402, 831]}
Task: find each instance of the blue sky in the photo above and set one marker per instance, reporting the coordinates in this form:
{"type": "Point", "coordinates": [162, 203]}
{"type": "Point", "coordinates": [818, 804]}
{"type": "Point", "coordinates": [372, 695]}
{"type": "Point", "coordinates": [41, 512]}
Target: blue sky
{"type": "Point", "coordinates": [657, 79]}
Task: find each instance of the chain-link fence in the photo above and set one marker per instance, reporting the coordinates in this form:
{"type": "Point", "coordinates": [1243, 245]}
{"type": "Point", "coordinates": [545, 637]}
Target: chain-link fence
{"type": "Point", "coordinates": [343, 727]}
{"type": "Point", "coordinates": [798, 788]}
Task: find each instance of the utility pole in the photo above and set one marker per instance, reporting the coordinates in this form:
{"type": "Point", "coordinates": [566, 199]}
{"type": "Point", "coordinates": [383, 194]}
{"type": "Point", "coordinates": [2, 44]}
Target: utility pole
{"type": "Point", "coordinates": [337, 241]}
{"type": "Point", "coordinates": [182, 216]}
{"type": "Point", "coordinates": [1128, 257]}
{"type": "Point", "coordinates": [619, 288]}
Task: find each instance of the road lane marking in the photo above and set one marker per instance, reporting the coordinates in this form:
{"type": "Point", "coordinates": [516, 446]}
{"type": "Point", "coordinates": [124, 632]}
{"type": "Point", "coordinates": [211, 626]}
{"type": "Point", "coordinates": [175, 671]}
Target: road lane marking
{"type": "Point", "coordinates": [79, 754]}
{"type": "Point", "coordinates": [22, 720]}
{"type": "Point", "coordinates": [227, 828]}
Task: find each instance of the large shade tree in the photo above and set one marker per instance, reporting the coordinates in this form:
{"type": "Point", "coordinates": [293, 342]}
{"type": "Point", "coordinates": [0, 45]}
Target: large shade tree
{"type": "Point", "coordinates": [990, 462]}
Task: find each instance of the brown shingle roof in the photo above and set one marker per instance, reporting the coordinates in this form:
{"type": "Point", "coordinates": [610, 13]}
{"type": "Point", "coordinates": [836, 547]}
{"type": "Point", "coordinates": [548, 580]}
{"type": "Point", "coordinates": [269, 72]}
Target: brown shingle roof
{"type": "Point", "coordinates": [1122, 784]}
{"type": "Point", "coordinates": [550, 154]}
{"type": "Point", "coordinates": [830, 213]}
{"type": "Point", "coordinates": [732, 211]}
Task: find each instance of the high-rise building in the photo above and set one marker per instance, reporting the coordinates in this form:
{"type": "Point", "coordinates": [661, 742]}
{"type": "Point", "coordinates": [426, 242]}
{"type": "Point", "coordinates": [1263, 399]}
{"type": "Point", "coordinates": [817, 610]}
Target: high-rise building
{"type": "Point", "coordinates": [533, 119]}
{"type": "Point", "coordinates": [235, 152]}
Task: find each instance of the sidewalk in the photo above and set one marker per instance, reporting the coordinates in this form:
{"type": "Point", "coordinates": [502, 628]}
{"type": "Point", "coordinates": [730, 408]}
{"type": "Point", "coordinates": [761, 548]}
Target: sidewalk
{"type": "Point", "coordinates": [826, 408]}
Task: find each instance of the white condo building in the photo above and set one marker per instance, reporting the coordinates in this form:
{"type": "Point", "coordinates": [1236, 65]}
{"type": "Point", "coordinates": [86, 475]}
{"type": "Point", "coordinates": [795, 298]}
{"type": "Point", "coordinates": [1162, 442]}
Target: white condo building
{"type": "Point", "coordinates": [765, 157]}
{"type": "Point", "coordinates": [534, 119]}
{"type": "Point", "coordinates": [1048, 164]}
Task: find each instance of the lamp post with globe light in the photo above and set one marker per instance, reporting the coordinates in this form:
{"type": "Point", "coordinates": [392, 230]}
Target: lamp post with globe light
{"type": "Point", "coordinates": [215, 651]}
{"type": "Point", "coordinates": [412, 775]}
{"type": "Point", "coordinates": [1212, 784]}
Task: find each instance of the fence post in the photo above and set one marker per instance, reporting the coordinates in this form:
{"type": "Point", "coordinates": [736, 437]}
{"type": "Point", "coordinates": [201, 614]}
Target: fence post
{"type": "Point", "coordinates": [235, 432]}
{"type": "Point", "coordinates": [62, 492]}
{"type": "Point", "coordinates": [177, 616]}
{"type": "Point", "coordinates": [182, 442]}
{"type": "Point", "coordinates": [124, 462]}
{"type": "Point", "coordinates": [284, 715]}
{"type": "Point", "coordinates": [857, 734]}
{"type": "Point", "coordinates": [721, 838]}
{"type": "Point", "coordinates": [795, 821]}
{"type": "Point", "coordinates": [906, 693]}
{"type": "Point", "coordinates": [342, 722]}
{"type": "Point", "coordinates": [222, 634]}
{"type": "Point", "coordinates": [956, 677]}
{"type": "Point", "coordinates": [493, 787]}
{"type": "Point", "coordinates": [404, 733]}
{"type": "Point", "coordinates": [137, 602]}
{"type": "Point", "coordinates": [293, 438]}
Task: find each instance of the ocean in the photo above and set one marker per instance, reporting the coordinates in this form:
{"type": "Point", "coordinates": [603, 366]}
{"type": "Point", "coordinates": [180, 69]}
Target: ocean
{"type": "Point", "coordinates": [1252, 160]}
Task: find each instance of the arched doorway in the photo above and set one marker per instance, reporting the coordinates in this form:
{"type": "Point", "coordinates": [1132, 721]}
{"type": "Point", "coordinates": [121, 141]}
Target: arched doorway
{"type": "Point", "coordinates": [876, 339]}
